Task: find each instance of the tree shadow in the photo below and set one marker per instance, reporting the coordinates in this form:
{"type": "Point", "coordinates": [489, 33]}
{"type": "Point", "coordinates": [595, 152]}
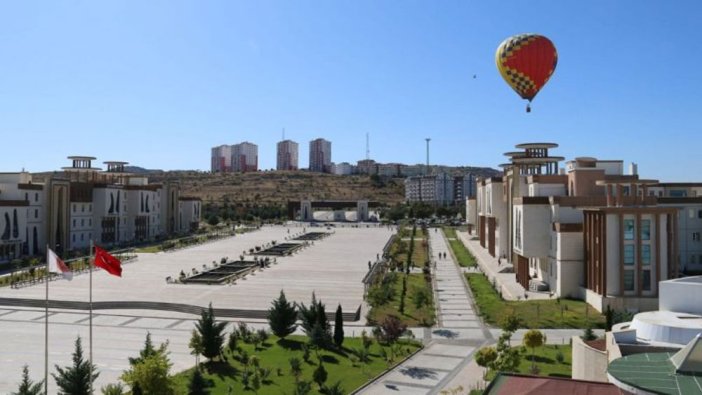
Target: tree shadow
{"type": "Point", "coordinates": [221, 369]}
{"type": "Point", "coordinates": [290, 344]}
{"type": "Point", "coordinates": [446, 333]}
{"type": "Point", "coordinates": [330, 359]}
{"type": "Point", "coordinates": [541, 359]}
{"type": "Point", "coordinates": [419, 373]}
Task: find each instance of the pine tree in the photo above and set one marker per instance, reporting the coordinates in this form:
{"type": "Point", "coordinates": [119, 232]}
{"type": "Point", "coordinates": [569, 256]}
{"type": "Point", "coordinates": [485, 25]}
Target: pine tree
{"type": "Point", "coordinates": [339, 327]}
{"type": "Point", "coordinates": [282, 316]}
{"type": "Point", "coordinates": [198, 385]}
{"type": "Point", "coordinates": [320, 374]}
{"type": "Point", "coordinates": [76, 379]}
{"type": "Point", "coordinates": [211, 332]}
{"type": "Point", "coordinates": [147, 351]}
{"type": "Point", "coordinates": [315, 323]}
{"type": "Point", "coordinates": [27, 386]}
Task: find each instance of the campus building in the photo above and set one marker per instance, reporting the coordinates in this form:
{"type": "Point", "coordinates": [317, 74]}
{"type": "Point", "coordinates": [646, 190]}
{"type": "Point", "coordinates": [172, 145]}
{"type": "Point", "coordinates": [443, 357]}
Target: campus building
{"type": "Point", "coordinates": [287, 155]}
{"type": "Point", "coordinates": [588, 230]}
{"type": "Point", "coordinates": [320, 156]}
{"type": "Point", "coordinates": [83, 203]}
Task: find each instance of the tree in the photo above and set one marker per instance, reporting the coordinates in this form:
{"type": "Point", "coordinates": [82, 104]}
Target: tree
{"type": "Point", "coordinates": [151, 374]}
{"type": "Point", "coordinates": [588, 334]}
{"type": "Point", "coordinates": [334, 389]}
{"type": "Point", "coordinates": [391, 329]}
{"type": "Point", "coordinates": [421, 297]}
{"type": "Point", "coordinates": [295, 368]}
{"type": "Point", "coordinates": [339, 327]}
{"type": "Point", "coordinates": [315, 323]}
{"type": "Point", "coordinates": [147, 351]}
{"type": "Point", "coordinates": [27, 386]}
{"type": "Point", "coordinates": [282, 316]}
{"type": "Point", "coordinates": [302, 388]}
{"type": "Point", "coordinates": [609, 318]}
{"type": "Point", "coordinates": [320, 374]}
{"type": "Point", "coordinates": [532, 339]}
{"type": "Point", "coordinates": [112, 389]}
{"type": "Point", "coordinates": [198, 385]}
{"type": "Point", "coordinates": [508, 358]}
{"type": "Point", "coordinates": [509, 325]}
{"type": "Point", "coordinates": [211, 333]}
{"type": "Point", "coordinates": [195, 346]}
{"type": "Point", "coordinates": [486, 356]}
{"type": "Point", "coordinates": [77, 379]}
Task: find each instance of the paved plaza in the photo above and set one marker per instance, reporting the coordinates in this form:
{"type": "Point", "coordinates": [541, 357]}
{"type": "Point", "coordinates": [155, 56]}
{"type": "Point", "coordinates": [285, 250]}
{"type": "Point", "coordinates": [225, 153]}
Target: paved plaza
{"type": "Point", "coordinates": [332, 267]}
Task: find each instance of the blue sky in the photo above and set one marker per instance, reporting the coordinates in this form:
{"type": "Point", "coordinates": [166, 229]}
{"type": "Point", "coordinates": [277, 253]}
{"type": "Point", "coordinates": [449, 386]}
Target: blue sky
{"type": "Point", "coordinates": [157, 83]}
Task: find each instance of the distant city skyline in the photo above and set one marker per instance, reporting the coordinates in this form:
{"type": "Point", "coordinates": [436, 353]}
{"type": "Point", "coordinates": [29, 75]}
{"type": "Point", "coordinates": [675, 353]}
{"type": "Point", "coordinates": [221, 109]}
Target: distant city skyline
{"type": "Point", "coordinates": [159, 85]}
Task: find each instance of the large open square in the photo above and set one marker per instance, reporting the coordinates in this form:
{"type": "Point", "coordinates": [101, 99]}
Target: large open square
{"type": "Point", "coordinates": [332, 267]}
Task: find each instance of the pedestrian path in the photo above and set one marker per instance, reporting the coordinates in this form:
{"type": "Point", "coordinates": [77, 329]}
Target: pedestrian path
{"type": "Point", "coordinates": [449, 346]}
{"type": "Point", "coordinates": [499, 270]}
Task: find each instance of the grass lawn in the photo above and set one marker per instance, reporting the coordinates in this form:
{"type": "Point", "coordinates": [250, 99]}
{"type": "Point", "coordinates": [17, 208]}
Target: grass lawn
{"type": "Point", "coordinates": [566, 313]}
{"type": "Point", "coordinates": [275, 354]}
{"type": "Point", "coordinates": [419, 253]}
{"type": "Point", "coordinates": [546, 362]}
{"type": "Point", "coordinates": [149, 249]}
{"type": "Point", "coordinates": [412, 316]}
{"type": "Point", "coordinates": [465, 258]}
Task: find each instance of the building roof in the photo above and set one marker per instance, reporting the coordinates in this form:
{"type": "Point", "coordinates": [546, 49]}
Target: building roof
{"type": "Point", "coordinates": [653, 373]}
{"type": "Point", "coordinates": [536, 145]}
{"type": "Point", "coordinates": [516, 384]}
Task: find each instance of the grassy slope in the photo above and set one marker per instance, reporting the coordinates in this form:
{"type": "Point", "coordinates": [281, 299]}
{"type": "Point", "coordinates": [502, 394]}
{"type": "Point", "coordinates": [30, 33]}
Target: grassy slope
{"type": "Point", "coordinates": [545, 360]}
{"type": "Point", "coordinates": [465, 258]}
{"type": "Point", "coordinates": [275, 355]}
{"type": "Point", "coordinates": [412, 316]}
{"type": "Point", "coordinates": [565, 313]}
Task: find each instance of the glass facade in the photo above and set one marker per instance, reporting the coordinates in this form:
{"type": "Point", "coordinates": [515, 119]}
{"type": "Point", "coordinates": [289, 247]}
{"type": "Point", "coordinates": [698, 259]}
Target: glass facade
{"type": "Point", "coordinates": [628, 254]}
{"type": "Point", "coordinates": [628, 229]}
{"type": "Point", "coordinates": [646, 286]}
{"type": "Point", "coordinates": [645, 229]}
{"type": "Point", "coordinates": [646, 254]}
{"type": "Point", "coordinates": [628, 280]}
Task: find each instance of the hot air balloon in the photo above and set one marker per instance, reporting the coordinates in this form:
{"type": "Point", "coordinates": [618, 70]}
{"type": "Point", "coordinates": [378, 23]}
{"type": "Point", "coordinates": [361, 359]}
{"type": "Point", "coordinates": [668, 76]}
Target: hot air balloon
{"type": "Point", "coordinates": [526, 62]}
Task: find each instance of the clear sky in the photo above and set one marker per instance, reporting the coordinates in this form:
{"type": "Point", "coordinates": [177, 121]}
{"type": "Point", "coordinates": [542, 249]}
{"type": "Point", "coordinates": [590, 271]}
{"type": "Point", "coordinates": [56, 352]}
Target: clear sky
{"type": "Point", "coordinates": [158, 83]}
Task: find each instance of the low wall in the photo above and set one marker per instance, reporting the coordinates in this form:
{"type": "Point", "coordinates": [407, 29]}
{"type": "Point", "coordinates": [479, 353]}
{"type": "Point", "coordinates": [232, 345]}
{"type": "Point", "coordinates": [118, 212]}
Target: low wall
{"type": "Point", "coordinates": [588, 363]}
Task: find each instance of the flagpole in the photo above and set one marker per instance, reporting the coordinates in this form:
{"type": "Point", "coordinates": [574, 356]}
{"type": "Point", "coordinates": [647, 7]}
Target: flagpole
{"type": "Point", "coordinates": [46, 326]}
{"type": "Point", "coordinates": [90, 262]}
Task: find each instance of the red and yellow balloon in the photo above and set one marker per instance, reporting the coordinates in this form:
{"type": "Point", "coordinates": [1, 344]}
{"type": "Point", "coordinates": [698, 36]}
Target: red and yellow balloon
{"type": "Point", "coordinates": [526, 62]}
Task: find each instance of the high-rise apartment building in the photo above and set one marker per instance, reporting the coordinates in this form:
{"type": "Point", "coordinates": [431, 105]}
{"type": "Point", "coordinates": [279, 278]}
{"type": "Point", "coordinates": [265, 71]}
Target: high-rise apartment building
{"type": "Point", "coordinates": [320, 155]}
{"type": "Point", "coordinates": [244, 157]}
{"type": "Point", "coordinates": [221, 159]}
{"type": "Point", "coordinates": [287, 155]}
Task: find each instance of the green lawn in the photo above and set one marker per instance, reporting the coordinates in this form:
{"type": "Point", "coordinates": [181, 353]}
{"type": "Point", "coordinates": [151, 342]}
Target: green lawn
{"type": "Point", "coordinates": [545, 360]}
{"type": "Point", "coordinates": [149, 249]}
{"type": "Point", "coordinates": [275, 354]}
{"type": "Point", "coordinates": [464, 257]}
{"type": "Point", "coordinates": [412, 316]}
{"type": "Point", "coordinates": [553, 313]}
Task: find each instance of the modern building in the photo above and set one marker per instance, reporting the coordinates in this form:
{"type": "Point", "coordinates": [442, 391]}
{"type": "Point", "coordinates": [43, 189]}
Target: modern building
{"type": "Point", "coordinates": [244, 157]}
{"type": "Point", "coordinates": [221, 161]}
{"type": "Point", "coordinates": [587, 231]}
{"type": "Point", "coordinates": [320, 156]}
{"type": "Point", "coordinates": [83, 203]}
{"type": "Point", "coordinates": [366, 166]}
{"type": "Point", "coordinates": [343, 169]}
{"type": "Point", "coordinates": [287, 153]}
{"type": "Point", "coordinates": [436, 189]}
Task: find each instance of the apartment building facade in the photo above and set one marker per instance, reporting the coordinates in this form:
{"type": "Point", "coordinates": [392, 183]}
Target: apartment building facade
{"type": "Point", "coordinates": [287, 155]}
{"type": "Point", "coordinates": [221, 159]}
{"type": "Point", "coordinates": [439, 189]}
{"type": "Point", "coordinates": [320, 156]}
{"type": "Point", "coordinates": [244, 157]}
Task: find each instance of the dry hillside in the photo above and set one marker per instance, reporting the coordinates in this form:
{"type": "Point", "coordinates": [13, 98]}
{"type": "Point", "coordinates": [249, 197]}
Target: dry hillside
{"type": "Point", "coordinates": [281, 186]}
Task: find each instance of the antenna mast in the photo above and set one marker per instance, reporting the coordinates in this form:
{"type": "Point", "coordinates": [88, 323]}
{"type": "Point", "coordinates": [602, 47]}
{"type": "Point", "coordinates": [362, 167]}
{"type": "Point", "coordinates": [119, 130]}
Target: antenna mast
{"type": "Point", "coordinates": [367, 147]}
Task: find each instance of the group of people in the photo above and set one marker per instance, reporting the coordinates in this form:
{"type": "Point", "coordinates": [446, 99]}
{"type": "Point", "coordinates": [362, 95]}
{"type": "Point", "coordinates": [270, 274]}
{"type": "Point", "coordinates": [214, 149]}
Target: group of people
{"type": "Point", "coordinates": [442, 255]}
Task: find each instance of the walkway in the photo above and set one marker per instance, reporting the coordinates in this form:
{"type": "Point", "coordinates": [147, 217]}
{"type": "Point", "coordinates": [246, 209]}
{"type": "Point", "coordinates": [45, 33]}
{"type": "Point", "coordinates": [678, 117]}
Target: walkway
{"type": "Point", "coordinates": [502, 272]}
{"type": "Point", "coordinates": [449, 347]}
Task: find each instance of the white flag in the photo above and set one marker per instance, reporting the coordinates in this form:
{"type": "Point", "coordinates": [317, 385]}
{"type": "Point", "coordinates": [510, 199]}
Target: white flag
{"type": "Point", "coordinates": [56, 265]}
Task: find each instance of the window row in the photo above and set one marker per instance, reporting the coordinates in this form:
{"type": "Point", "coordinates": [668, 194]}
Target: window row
{"type": "Point", "coordinates": [630, 281]}
{"type": "Point", "coordinates": [645, 229]}
{"type": "Point", "coordinates": [630, 254]}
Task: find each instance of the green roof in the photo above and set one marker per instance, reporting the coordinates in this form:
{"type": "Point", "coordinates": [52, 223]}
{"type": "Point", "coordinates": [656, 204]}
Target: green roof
{"type": "Point", "coordinates": [654, 372]}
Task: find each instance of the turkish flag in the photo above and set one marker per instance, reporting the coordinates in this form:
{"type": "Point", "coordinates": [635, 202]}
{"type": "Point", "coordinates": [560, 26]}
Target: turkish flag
{"type": "Point", "coordinates": [106, 261]}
